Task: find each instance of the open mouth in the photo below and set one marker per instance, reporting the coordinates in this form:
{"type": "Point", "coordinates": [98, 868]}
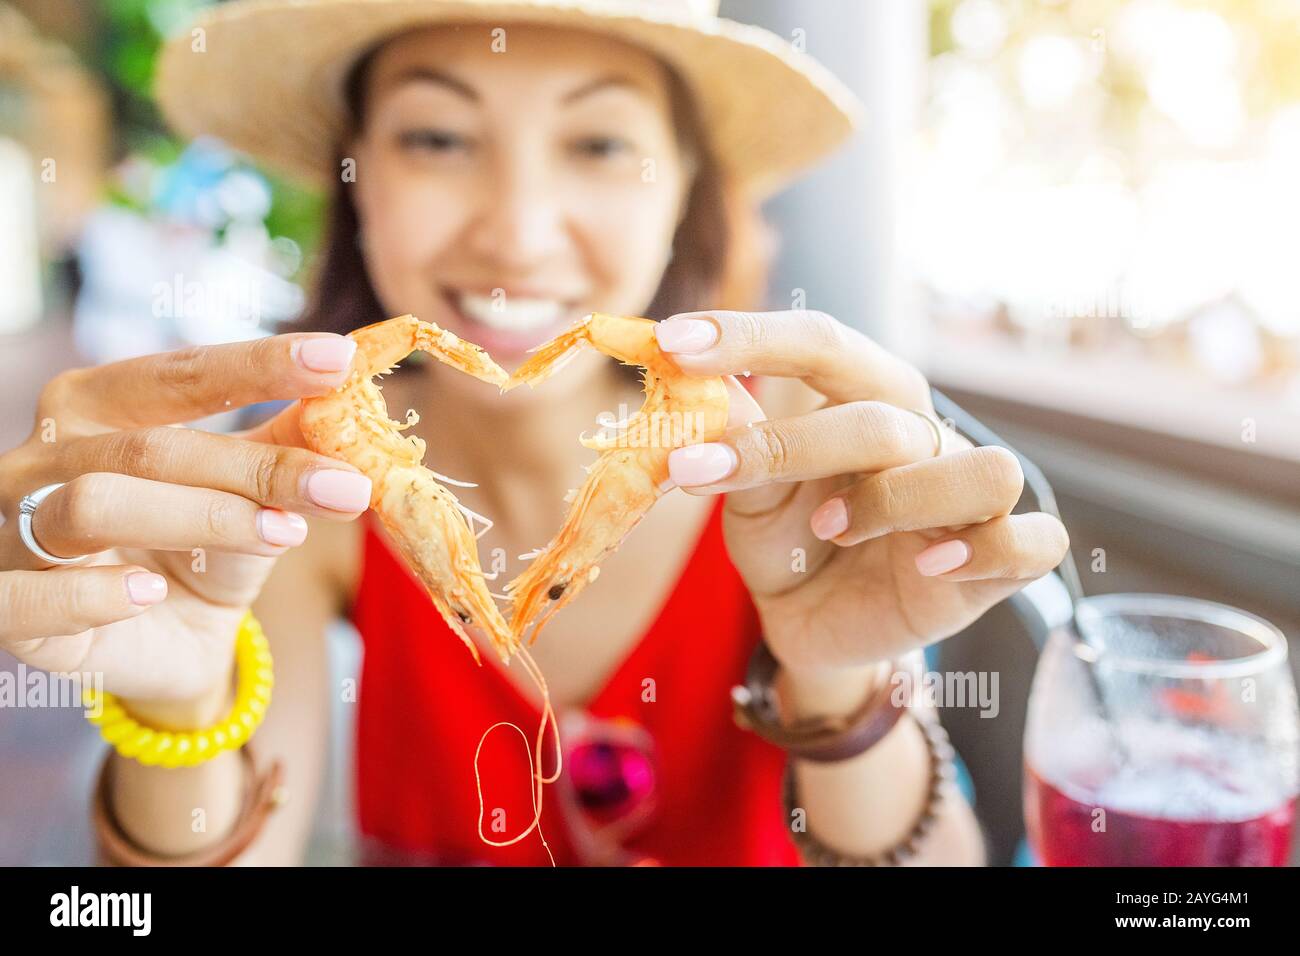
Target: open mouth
{"type": "Point", "coordinates": [509, 324]}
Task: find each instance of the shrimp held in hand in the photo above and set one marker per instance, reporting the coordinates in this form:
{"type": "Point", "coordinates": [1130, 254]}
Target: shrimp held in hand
{"type": "Point", "coordinates": [433, 531]}
{"type": "Point", "coordinates": [632, 471]}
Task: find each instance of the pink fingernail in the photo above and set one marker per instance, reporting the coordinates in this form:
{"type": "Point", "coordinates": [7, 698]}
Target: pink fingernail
{"type": "Point", "coordinates": [686, 335]}
{"type": "Point", "coordinates": [339, 490]}
{"type": "Point", "coordinates": [830, 520]}
{"type": "Point", "coordinates": [332, 354]}
{"type": "Point", "coordinates": [942, 558]}
{"type": "Point", "coordinates": [145, 588]}
{"type": "Point", "coordinates": [701, 464]}
{"type": "Point", "coordinates": [281, 527]}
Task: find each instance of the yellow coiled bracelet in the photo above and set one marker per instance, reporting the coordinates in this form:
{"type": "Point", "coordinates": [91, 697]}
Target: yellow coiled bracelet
{"type": "Point", "coordinates": [165, 748]}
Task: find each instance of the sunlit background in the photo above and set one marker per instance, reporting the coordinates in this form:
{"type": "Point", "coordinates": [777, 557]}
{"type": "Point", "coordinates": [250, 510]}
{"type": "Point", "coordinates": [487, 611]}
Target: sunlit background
{"type": "Point", "coordinates": [1089, 175]}
{"type": "Point", "coordinates": [1114, 179]}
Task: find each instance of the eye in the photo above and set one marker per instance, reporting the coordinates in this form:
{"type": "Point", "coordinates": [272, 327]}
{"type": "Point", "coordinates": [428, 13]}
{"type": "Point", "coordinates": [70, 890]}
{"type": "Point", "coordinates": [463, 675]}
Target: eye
{"type": "Point", "coordinates": [431, 141]}
{"type": "Point", "coordinates": [601, 147]}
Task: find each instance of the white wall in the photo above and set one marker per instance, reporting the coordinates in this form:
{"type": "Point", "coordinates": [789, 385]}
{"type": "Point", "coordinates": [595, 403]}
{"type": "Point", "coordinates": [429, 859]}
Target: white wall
{"type": "Point", "coordinates": [839, 224]}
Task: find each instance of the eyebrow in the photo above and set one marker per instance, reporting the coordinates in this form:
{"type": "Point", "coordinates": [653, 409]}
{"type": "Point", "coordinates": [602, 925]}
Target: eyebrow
{"type": "Point", "coordinates": [613, 80]}
{"type": "Point", "coordinates": [426, 75]}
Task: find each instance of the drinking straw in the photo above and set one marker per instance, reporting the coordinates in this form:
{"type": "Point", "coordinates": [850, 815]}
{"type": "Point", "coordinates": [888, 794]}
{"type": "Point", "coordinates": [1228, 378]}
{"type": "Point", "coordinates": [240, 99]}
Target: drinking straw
{"type": "Point", "coordinates": [980, 434]}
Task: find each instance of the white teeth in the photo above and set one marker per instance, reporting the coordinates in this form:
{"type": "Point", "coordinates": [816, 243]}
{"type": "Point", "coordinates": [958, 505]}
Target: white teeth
{"type": "Point", "coordinates": [510, 313]}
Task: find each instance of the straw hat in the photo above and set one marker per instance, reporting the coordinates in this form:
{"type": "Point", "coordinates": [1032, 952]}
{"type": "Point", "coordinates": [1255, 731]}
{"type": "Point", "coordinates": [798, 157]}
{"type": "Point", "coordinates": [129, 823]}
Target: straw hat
{"type": "Point", "coordinates": [269, 78]}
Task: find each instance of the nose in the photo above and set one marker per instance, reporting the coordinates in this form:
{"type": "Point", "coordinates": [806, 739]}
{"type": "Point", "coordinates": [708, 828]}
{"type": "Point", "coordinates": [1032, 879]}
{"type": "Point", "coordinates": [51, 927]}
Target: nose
{"type": "Point", "coordinates": [520, 225]}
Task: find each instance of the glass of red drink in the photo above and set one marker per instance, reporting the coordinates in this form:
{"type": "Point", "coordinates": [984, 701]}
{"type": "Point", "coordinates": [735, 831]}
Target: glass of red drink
{"type": "Point", "coordinates": [1169, 738]}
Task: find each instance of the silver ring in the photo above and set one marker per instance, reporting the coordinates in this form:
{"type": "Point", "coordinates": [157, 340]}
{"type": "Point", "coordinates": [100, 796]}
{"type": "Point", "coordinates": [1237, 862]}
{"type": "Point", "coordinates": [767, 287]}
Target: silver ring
{"type": "Point", "coordinates": [934, 427]}
{"type": "Point", "coordinates": [27, 508]}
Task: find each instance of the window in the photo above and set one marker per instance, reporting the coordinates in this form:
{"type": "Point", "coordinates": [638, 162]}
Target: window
{"type": "Point", "coordinates": [1104, 211]}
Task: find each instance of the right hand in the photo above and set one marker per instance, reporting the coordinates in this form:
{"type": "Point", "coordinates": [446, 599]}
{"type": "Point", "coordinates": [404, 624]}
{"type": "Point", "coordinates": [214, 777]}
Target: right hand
{"type": "Point", "coordinates": [151, 614]}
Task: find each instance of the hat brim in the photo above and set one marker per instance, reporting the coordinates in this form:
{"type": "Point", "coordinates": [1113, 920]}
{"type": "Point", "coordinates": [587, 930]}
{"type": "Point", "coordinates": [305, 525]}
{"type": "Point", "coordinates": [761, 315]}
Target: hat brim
{"type": "Point", "coordinates": [269, 78]}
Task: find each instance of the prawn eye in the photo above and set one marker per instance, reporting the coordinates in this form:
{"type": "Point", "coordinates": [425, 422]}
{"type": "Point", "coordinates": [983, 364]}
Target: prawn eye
{"type": "Point", "coordinates": [555, 591]}
{"type": "Point", "coordinates": [464, 618]}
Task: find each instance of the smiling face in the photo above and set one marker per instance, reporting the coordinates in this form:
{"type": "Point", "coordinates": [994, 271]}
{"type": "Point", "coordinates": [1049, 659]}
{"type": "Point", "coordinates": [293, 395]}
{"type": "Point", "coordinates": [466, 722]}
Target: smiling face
{"type": "Point", "coordinates": [504, 195]}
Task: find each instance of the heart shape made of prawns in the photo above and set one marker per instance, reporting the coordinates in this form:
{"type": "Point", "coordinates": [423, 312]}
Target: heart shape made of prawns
{"type": "Point", "coordinates": [435, 533]}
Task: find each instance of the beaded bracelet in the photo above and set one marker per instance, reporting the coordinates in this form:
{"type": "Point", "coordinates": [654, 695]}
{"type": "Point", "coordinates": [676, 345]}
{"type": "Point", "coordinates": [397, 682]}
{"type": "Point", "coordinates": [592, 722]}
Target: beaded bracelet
{"type": "Point", "coordinates": [942, 774]}
{"type": "Point", "coordinates": [165, 748]}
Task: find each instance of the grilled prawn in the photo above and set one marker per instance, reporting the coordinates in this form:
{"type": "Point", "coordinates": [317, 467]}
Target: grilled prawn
{"type": "Point", "coordinates": [431, 528]}
{"type": "Point", "coordinates": [632, 471]}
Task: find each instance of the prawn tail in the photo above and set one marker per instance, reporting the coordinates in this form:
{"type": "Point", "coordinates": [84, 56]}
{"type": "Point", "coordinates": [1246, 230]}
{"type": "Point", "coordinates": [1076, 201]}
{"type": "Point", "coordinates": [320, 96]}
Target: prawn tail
{"type": "Point", "coordinates": [551, 357]}
{"type": "Point", "coordinates": [460, 354]}
{"type": "Point", "coordinates": [381, 345]}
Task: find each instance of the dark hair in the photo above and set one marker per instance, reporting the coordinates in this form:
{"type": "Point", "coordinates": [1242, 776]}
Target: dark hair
{"type": "Point", "coordinates": [715, 261]}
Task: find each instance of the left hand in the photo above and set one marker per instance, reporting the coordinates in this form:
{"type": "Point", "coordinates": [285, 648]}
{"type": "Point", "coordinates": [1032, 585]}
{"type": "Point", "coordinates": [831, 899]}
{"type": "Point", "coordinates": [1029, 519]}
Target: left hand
{"type": "Point", "coordinates": [856, 542]}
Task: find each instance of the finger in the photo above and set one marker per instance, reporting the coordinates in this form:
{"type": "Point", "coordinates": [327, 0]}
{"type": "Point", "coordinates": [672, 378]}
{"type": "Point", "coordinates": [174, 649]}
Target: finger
{"type": "Point", "coordinates": [275, 476]}
{"type": "Point", "coordinates": [966, 487]}
{"type": "Point", "coordinates": [191, 383]}
{"type": "Point", "coordinates": [95, 512]}
{"type": "Point", "coordinates": [841, 439]}
{"type": "Point", "coordinates": [743, 411]}
{"type": "Point", "coordinates": [1011, 548]}
{"type": "Point", "coordinates": [41, 604]}
{"type": "Point", "coordinates": [840, 362]}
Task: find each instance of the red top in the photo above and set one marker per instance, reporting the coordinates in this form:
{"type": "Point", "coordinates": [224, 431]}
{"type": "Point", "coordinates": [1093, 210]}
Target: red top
{"type": "Point", "coordinates": [424, 705]}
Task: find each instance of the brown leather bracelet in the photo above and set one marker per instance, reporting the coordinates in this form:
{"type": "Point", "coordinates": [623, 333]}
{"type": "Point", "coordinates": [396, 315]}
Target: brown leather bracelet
{"type": "Point", "coordinates": [822, 740]}
{"type": "Point", "coordinates": [262, 795]}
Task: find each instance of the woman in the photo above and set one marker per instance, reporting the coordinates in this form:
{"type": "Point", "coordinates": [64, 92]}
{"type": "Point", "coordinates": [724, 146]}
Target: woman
{"type": "Point", "coordinates": [503, 178]}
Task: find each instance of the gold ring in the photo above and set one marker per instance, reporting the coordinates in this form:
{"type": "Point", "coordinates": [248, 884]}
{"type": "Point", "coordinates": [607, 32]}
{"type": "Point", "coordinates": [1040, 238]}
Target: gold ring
{"type": "Point", "coordinates": [934, 427]}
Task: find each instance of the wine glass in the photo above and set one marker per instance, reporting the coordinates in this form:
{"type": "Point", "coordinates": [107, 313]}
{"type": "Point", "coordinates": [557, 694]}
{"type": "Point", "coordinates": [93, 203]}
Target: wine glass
{"type": "Point", "coordinates": [1166, 737]}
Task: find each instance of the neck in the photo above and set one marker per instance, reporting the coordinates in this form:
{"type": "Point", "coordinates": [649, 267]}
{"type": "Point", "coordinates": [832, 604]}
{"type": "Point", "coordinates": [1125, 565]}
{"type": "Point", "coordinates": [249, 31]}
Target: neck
{"type": "Point", "coordinates": [521, 449]}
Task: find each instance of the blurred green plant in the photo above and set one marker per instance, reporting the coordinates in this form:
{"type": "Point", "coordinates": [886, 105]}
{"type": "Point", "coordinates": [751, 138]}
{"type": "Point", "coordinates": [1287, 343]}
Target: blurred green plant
{"type": "Point", "coordinates": [129, 41]}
